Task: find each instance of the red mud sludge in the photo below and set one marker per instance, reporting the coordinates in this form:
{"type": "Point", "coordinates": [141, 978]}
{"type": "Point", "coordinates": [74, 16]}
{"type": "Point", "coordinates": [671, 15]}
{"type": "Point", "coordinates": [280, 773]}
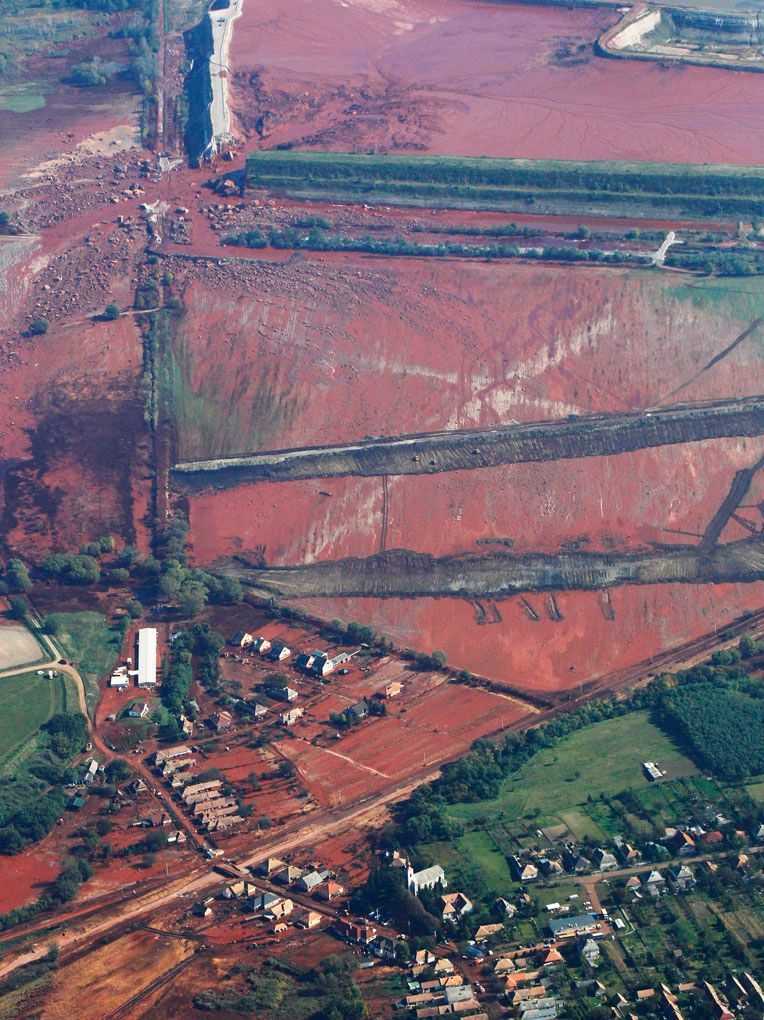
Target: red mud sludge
{"type": "Point", "coordinates": [479, 79]}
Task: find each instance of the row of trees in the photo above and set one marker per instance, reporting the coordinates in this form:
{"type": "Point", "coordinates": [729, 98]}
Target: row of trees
{"type": "Point", "coordinates": [319, 240]}
{"type": "Point", "coordinates": [600, 179]}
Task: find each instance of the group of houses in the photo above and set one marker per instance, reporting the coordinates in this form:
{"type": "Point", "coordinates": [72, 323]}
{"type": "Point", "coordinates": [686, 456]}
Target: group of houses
{"type": "Point", "coordinates": [318, 664]}
{"type": "Point", "coordinates": [210, 808]}
{"type": "Point", "coordinates": [314, 880]}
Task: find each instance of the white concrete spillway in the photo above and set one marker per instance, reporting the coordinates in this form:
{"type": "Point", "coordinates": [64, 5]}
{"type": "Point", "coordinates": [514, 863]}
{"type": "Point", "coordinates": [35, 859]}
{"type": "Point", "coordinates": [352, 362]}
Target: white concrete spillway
{"type": "Point", "coordinates": [221, 23]}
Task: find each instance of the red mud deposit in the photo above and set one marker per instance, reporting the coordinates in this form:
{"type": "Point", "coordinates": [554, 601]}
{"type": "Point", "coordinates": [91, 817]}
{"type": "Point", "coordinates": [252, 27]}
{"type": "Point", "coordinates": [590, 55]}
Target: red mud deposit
{"type": "Point", "coordinates": [26, 876]}
{"type": "Point", "coordinates": [478, 79]}
{"type": "Point", "coordinates": [309, 354]}
{"type": "Point", "coordinates": [554, 654]}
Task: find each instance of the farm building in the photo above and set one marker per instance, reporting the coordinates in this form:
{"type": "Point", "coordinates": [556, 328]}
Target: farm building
{"type": "Point", "coordinates": [393, 689]}
{"type": "Point", "coordinates": [651, 770]}
{"type": "Point", "coordinates": [119, 677]}
{"type": "Point", "coordinates": [147, 657]}
{"type": "Point", "coordinates": [241, 639]}
{"type": "Point", "coordinates": [139, 710]}
{"type": "Point", "coordinates": [261, 645]}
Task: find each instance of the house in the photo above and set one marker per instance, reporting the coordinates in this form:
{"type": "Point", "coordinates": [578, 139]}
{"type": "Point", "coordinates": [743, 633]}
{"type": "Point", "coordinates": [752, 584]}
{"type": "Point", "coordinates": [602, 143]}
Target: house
{"type": "Point", "coordinates": [322, 665]}
{"type": "Point", "coordinates": [632, 882]}
{"type": "Point", "coordinates": [575, 861]}
{"type": "Point", "coordinates": [139, 710]}
{"type": "Point", "coordinates": [427, 878]}
{"type": "Point", "coordinates": [590, 952]}
{"type": "Point", "coordinates": [261, 645]}
{"type": "Point", "coordinates": [271, 865]}
{"type": "Point", "coordinates": [290, 874]}
{"type": "Point", "coordinates": [303, 662]}
{"type": "Point", "coordinates": [455, 905]}
{"type": "Point", "coordinates": [458, 994]}
{"type": "Point", "coordinates": [393, 689]}
{"type": "Point", "coordinates": [505, 965]}
{"type": "Point", "coordinates": [278, 652]}
{"type": "Point", "coordinates": [259, 711]}
{"type": "Point", "coordinates": [625, 852]}
{"type": "Point", "coordinates": [310, 919]}
{"type": "Point", "coordinates": [237, 890]}
{"type": "Point", "coordinates": [359, 711]}
{"type": "Point", "coordinates": [523, 872]}
{"type": "Point", "coordinates": [280, 910]}
{"type": "Point", "coordinates": [443, 966]}
{"type": "Point", "coordinates": [330, 891]}
{"type": "Point", "coordinates": [312, 880]}
{"type": "Point", "coordinates": [223, 721]}
{"type": "Point", "coordinates": [719, 1006]}
{"type": "Point", "coordinates": [176, 836]}
{"type": "Point", "coordinates": [681, 844]}
{"type": "Point", "coordinates": [423, 958]}
{"type": "Point", "coordinates": [263, 901]}
{"type": "Point", "coordinates": [604, 860]}
{"type": "Point", "coordinates": [485, 931]}
{"type": "Point", "coordinates": [682, 877]}
{"type": "Point", "coordinates": [279, 928]}
{"type": "Point", "coordinates": [569, 927]}
{"type": "Point", "coordinates": [398, 860]}
{"type": "Point", "coordinates": [652, 771]}
{"type": "Point", "coordinates": [553, 958]}
{"type": "Point", "coordinates": [757, 833]}
{"type": "Point", "coordinates": [757, 994]}
{"type": "Point", "coordinates": [509, 908]}
{"type": "Point", "coordinates": [290, 717]}
{"type": "Point", "coordinates": [284, 693]}
{"type": "Point", "coordinates": [551, 866]}
{"type": "Point", "coordinates": [186, 726]}
{"type": "Point", "coordinates": [712, 838]}
{"type": "Point", "coordinates": [147, 657]}
{"type": "Point", "coordinates": [653, 883]}
{"type": "Point", "coordinates": [353, 932]}
{"type": "Point", "coordinates": [241, 639]}
{"type": "Point", "coordinates": [741, 863]}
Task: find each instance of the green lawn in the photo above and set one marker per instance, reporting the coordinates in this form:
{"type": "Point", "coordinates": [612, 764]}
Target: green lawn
{"type": "Point", "coordinates": [601, 759]}
{"type": "Point", "coordinates": [90, 643]}
{"type": "Point", "coordinates": [26, 702]}
{"type": "Point", "coordinates": [756, 790]}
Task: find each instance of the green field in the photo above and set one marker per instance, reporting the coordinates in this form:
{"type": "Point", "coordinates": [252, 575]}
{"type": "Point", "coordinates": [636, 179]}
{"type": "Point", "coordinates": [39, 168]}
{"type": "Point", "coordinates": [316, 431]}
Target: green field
{"type": "Point", "coordinates": [601, 759]}
{"type": "Point", "coordinates": [90, 643]}
{"type": "Point", "coordinates": [26, 702]}
{"type": "Point", "coordinates": [459, 182]}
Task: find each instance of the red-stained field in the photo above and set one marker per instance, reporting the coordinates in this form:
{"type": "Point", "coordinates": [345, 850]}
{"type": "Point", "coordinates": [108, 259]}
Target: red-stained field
{"type": "Point", "coordinates": [478, 79]}
{"type": "Point", "coordinates": [421, 729]}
